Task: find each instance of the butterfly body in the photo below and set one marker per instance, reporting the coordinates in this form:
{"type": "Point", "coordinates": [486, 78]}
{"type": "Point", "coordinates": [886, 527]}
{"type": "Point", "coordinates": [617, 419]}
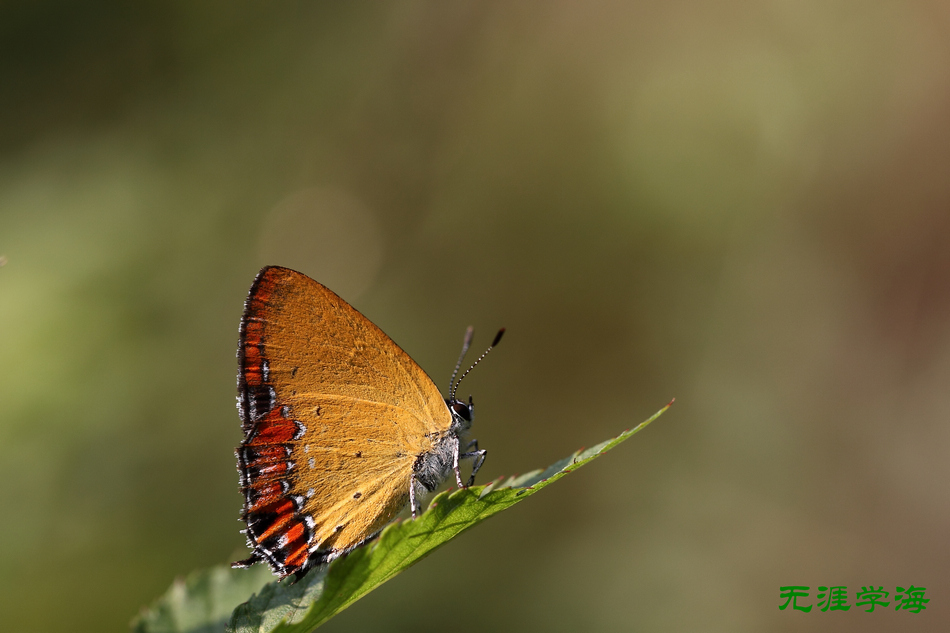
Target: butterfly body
{"type": "Point", "coordinates": [342, 428]}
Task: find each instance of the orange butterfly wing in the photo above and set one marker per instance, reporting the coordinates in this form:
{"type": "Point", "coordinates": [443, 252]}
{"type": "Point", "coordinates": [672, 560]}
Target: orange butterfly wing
{"type": "Point", "coordinates": [335, 415]}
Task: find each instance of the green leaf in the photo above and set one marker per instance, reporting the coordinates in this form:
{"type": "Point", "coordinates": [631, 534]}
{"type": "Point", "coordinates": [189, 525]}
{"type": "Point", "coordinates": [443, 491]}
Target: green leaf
{"type": "Point", "coordinates": [285, 607]}
{"type": "Point", "coordinates": [202, 602]}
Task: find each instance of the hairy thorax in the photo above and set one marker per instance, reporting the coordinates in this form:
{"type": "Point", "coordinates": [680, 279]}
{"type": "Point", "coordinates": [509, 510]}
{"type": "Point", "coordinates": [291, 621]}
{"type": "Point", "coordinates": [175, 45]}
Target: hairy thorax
{"type": "Point", "coordinates": [434, 466]}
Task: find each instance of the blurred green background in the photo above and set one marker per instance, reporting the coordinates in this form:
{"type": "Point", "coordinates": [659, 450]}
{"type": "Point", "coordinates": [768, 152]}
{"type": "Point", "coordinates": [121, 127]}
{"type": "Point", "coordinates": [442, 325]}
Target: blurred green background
{"type": "Point", "coordinates": [745, 205]}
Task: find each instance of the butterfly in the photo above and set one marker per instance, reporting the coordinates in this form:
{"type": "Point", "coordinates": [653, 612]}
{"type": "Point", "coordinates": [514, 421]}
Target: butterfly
{"type": "Point", "coordinates": [341, 427]}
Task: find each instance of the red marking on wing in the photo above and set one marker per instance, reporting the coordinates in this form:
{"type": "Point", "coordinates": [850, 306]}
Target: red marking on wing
{"type": "Point", "coordinates": [266, 488]}
{"type": "Point", "coordinates": [277, 525]}
{"type": "Point", "coordinates": [256, 310]}
{"type": "Point", "coordinates": [267, 493]}
{"type": "Point", "coordinates": [273, 428]}
{"type": "Point", "coordinates": [253, 374]}
{"type": "Point", "coordinates": [268, 454]}
{"type": "Point", "coordinates": [273, 471]}
{"type": "Point", "coordinates": [280, 506]}
{"type": "Point", "coordinates": [263, 456]}
{"type": "Point", "coordinates": [298, 557]}
{"type": "Point", "coordinates": [294, 532]}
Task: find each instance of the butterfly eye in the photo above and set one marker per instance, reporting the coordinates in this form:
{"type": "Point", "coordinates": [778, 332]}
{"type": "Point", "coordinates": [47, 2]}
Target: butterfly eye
{"type": "Point", "coordinates": [465, 410]}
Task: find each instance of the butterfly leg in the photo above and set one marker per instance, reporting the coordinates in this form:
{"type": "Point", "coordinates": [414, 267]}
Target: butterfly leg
{"type": "Point", "coordinates": [412, 494]}
{"type": "Point", "coordinates": [455, 463]}
{"type": "Point", "coordinates": [479, 457]}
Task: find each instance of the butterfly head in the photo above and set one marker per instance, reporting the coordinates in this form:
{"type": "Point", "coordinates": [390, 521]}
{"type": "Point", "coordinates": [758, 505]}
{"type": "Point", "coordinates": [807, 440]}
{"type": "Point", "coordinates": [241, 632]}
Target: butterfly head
{"type": "Point", "coordinates": [463, 413]}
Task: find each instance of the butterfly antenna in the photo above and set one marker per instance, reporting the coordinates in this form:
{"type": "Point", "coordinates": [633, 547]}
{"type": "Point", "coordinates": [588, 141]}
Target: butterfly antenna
{"type": "Point", "coordinates": [484, 354]}
{"type": "Point", "coordinates": [469, 333]}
